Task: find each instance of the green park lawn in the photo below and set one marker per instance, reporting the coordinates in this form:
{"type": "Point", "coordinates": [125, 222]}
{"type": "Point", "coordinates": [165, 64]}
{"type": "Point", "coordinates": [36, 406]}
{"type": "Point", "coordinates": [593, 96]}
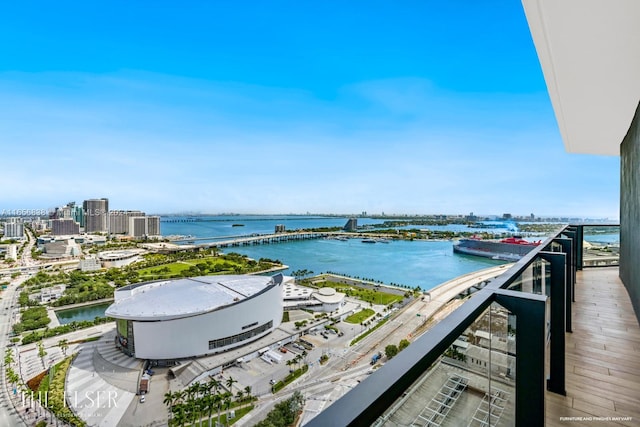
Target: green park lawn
{"type": "Point", "coordinates": [374, 296]}
{"type": "Point", "coordinates": [360, 316]}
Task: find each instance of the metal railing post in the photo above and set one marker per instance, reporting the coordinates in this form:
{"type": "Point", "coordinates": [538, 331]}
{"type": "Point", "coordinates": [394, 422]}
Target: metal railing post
{"type": "Point", "coordinates": [579, 247]}
{"type": "Point", "coordinates": [530, 311]}
{"type": "Point", "coordinates": [556, 381]}
{"type": "Point", "coordinates": [567, 248]}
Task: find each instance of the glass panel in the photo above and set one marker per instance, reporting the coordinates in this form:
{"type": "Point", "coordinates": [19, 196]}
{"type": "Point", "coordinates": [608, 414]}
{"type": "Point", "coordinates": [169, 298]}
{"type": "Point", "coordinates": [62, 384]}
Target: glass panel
{"type": "Point", "coordinates": [121, 324]}
{"type": "Point", "coordinates": [473, 382]}
{"type": "Point", "coordinates": [535, 279]}
{"type": "Point", "coordinates": [601, 246]}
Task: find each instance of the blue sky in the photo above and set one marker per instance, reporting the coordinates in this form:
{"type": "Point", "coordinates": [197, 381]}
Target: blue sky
{"type": "Point", "coordinates": [410, 107]}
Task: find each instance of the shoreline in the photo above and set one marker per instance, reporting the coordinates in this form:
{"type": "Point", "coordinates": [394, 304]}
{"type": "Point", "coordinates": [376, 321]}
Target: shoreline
{"type": "Point", "coordinates": [82, 304]}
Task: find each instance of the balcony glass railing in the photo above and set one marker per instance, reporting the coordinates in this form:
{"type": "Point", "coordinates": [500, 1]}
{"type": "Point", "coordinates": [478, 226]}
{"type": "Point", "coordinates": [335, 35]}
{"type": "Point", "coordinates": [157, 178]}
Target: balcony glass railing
{"type": "Point", "coordinates": [490, 362]}
{"type": "Point", "coordinates": [601, 245]}
{"type": "Point", "coordinates": [471, 384]}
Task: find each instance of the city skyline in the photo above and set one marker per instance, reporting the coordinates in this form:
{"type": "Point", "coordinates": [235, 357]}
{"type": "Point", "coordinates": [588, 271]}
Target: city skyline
{"type": "Point", "coordinates": [283, 108]}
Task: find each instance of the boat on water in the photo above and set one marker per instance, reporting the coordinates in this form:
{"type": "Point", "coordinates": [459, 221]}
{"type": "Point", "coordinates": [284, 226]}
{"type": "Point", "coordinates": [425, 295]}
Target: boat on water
{"type": "Point", "coordinates": [375, 240]}
{"type": "Point", "coordinates": [509, 249]}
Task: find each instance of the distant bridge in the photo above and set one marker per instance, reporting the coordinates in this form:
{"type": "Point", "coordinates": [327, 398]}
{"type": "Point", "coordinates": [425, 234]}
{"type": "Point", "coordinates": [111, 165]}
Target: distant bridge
{"type": "Point", "coordinates": [262, 239]}
{"type": "Point", "coordinates": [239, 220]}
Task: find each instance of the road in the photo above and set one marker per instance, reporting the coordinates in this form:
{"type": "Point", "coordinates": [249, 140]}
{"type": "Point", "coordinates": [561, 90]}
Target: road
{"type": "Point", "coordinates": [8, 414]}
{"type": "Point", "coordinates": [9, 312]}
{"type": "Point", "coordinates": [348, 365]}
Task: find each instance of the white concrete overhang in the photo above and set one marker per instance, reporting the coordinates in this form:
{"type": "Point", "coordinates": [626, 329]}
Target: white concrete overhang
{"type": "Point", "coordinates": [589, 51]}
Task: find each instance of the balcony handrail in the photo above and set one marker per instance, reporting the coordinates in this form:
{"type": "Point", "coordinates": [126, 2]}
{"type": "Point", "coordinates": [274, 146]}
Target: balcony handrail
{"type": "Point", "coordinates": [364, 404]}
{"type": "Point", "coordinates": [508, 277]}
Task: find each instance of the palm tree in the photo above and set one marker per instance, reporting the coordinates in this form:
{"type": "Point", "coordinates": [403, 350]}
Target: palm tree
{"type": "Point", "coordinates": [230, 382]}
{"type": "Point", "coordinates": [192, 408]}
{"type": "Point", "coordinates": [8, 357]}
{"type": "Point", "coordinates": [208, 404]}
{"type": "Point", "coordinates": [191, 390]}
{"type": "Point", "coordinates": [203, 391]}
{"type": "Point", "coordinates": [217, 399]}
{"type": "Point", "coordinates": [227, 405]}
{"type": "Point", "coordinates": [41, 352]}
{"type": "Point", "coordinates": [168, 401]}
{"type": "Point", "coordinates": [298, 358]}
{"type": "Point", "coordinates": [64, 345]}
{"type": "Point", "coordinates": [213, 384]}
{"type": "Point", "coordinates": [240, 395]}
{"type": "Point", "coordinates": [200, 389]}
{"type": "Point", "coordinates": [200, 406]}
{"type": "Point", "coordinates": [179, 416]}
{"type": "Point", "coordinates": [180, 395]}
{"type": "Point", "coordinates": [247, 392]}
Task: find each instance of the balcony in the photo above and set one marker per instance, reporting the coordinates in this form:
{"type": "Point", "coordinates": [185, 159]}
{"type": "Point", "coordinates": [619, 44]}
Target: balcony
{"type": "Point", "coordinates": [602, 353]}
{"type": "Point", "coordinates": [546, 343]}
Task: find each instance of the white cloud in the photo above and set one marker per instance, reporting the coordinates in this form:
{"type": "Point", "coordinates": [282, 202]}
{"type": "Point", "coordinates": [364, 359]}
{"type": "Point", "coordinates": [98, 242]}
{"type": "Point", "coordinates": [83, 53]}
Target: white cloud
{"type": "Point", "coordinates": [161, 143]}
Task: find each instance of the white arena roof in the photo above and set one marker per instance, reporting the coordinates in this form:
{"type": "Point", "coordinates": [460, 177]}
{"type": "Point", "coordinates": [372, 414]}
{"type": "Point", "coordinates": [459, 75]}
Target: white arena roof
{"type": "Point", "coordinates": [172, 299]}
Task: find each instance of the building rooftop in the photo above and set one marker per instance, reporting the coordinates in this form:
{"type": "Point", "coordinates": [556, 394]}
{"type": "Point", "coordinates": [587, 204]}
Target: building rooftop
{"type": "Point", "coordinates": [119, 254]}
{"type": "Point", "coordinates": [172, 299]}
{"type": "Point", "coordinates": [292, 291]}
{"type": "Point", "coordinates": [328, 296]}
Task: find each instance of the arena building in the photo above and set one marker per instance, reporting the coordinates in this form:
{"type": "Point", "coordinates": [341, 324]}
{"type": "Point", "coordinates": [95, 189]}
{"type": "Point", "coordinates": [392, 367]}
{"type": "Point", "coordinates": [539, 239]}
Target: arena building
{"type": "Point", "coordinates": [196, 316]}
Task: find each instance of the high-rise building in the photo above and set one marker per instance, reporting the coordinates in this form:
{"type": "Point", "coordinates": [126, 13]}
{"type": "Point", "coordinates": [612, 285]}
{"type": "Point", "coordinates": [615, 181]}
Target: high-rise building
{"type": "Point", "coordinates": [70, 210]}
{"type": "Point", "coordinates": [153, 225]}
{"type": "Point", "coordinates": [13, 228]}
{"type": "Point", "coordinates": [137, 226]}
{"type": "Point", "coordinates": [143, 226]}
{"type": "Point", "coordinates": [119, 220]}
{"type": "Point", "coordinates": [12, 252]}
{"type": "Point", "coordinates": [77, 213]}
{"type": "Point", "coordinates": [351, 225]}
{"type": "Point", "coordinates": [64, 227]}
{"type": "Point", "coordinates": [96, 212]}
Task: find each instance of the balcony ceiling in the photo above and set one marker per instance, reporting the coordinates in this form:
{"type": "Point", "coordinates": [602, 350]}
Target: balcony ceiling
{"type": "Point", "coordinates": [589, 51]}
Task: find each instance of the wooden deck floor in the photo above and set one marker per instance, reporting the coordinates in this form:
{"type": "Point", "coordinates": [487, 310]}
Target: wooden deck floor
{"type": "Point", "coordinates": [603, 357]}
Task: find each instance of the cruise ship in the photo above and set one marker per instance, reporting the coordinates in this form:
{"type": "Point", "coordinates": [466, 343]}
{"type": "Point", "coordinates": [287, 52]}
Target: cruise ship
{"type": "Point", "coordinates": [509, 249]}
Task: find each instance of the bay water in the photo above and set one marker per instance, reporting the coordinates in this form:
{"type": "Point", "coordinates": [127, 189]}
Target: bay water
{"type": "Point", "coordinates": [402, 262]}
